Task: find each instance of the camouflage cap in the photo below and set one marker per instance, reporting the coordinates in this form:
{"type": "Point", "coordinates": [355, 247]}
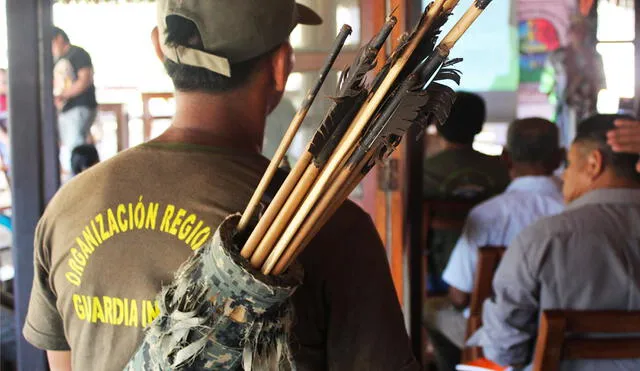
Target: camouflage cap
{"type": "Point", "coordinates": [232, 31]}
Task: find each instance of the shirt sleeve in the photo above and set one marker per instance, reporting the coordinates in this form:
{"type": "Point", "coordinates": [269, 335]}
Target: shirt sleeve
{"type": "Point", "coordinates": [365, 326]}
{"type": "Point", "coordinates": [43, 325]}
{"type": "Point", "coordinates": [461, 268]}
{"type": "Point", "coordinates": [510, 318]}
{"type": "Point", "coordinates": [81, 59]}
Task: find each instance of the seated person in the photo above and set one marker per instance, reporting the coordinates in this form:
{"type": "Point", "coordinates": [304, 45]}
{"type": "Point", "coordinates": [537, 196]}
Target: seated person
{"type": "Point", "coordinates": [532, 155]}
{"type": "Point", "coordinates": [459, 172]}
{"type": "Point", "coordinates": [581, 259]}
{"type": "Point", "coordinates": [83, 157]}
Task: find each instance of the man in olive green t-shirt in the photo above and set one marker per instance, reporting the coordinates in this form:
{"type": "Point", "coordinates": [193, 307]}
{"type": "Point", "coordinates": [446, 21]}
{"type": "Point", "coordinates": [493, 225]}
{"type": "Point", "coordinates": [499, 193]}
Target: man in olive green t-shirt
{"type": "Point", "coordinates": [459, 173]}
{"type": "Point", "coordinates": [116, 233]}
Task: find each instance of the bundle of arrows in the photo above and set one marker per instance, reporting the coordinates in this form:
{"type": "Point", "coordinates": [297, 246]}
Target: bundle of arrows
{"type": "Point", "coordinates": [364, 125]}
{"type": "Point", "coordinates": [227, 307]}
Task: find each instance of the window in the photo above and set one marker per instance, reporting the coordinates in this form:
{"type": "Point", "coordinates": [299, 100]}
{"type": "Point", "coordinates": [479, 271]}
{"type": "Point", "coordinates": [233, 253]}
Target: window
{"type": "Point", "coordinates": [616, 35]}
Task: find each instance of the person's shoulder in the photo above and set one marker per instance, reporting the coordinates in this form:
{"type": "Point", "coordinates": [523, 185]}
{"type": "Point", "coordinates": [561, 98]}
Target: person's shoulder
{"type": "Point", "coordinates": [436, 160]}
{"type": "Point", "coordinates": [349, 218]}
{"type": "Point", "coordinates": [552, 227]}
{"type": "Point", "coordinates": [495, 211]}
{"type": "Point", "coordinates": [348, 224]}
{"type": "Point", "coordinates": [348, 236]}
{"type": "Point", "coordinates": [79, 55]}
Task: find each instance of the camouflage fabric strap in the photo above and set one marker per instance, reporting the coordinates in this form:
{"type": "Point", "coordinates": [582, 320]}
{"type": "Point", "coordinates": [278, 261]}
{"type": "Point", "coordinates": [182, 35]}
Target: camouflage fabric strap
{"type": "Point", "coordinates": [219, 313]}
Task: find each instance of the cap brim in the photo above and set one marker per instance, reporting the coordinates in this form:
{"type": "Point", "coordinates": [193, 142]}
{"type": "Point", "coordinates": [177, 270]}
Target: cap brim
{"type": "Point", "coordinates": [307, 16]}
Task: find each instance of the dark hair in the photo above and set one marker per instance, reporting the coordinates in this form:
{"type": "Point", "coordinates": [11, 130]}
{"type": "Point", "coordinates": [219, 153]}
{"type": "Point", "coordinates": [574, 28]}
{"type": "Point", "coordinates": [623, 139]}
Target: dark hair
{"type": "Point", "coordinates": [533, 141]}
{"type": "Point", "coordinates": [83, 157]}
{"type": "Point", "coordinates": [465, 120]}
{"type": "Point", "coordinates": [594, 131]}
{"type": "Point", "coordinates": [57, 31]}
{"type": "Point", "coordinates": [182, 31]}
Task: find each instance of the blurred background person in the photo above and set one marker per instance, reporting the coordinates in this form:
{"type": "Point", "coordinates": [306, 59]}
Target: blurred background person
{"type": "Point", "coordinates": [573, 77]}
{"type": "Point", "coordinates": [74, 94]}
{"type": "Point", "coordinates": [459, 172]}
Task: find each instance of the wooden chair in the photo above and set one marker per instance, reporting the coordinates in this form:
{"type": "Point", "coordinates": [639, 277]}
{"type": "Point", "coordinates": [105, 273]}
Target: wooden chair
{"type": "Point", "coordinates": [438, 215]}
{"type": "Point", "coordinates": [488, 259]}
{"type": "Point", "coordinates": [558, 331]}
{"type": "Point", "coordinates": [442, 215]}
{"type": "Point", "coordinates": [147, 116]}
{"type": "Point", "coordinates": [122, 121]}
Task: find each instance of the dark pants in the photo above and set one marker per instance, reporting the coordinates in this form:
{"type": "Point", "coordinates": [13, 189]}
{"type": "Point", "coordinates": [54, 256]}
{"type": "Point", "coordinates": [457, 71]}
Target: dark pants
{"type": "Point", "coordinates": [447, 354]}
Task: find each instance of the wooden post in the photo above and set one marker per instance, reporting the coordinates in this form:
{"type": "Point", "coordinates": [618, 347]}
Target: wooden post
{"type": "Point", "coordinates": [637, 46]}
{"type": "Point", "coordinates": [412, 156]}
{"type": "Point", "coordinates": [34, 147]}
{"type": "Point", "coordinates": [388, 214]}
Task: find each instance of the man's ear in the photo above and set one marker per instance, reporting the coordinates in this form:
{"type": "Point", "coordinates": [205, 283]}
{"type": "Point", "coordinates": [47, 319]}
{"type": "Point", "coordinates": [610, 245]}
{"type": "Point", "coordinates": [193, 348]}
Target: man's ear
{"type": "Point", "coordinates": [155, 39]}
{"type": "Point", "coordinates": [282, 66]}
{"type": "Point", "coordinates": [595, 164]}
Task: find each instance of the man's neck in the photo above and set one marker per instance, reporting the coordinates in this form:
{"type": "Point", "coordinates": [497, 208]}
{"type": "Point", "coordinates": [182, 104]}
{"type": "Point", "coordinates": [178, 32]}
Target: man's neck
{"type": "Point", "coordinates": [452, 145]}
{"type": "Point", "coordinates": [610, 181]}
{"type": "Point", "coordinates": [232, 120]}
{"type": "Point", "coordinates": [522, 170]}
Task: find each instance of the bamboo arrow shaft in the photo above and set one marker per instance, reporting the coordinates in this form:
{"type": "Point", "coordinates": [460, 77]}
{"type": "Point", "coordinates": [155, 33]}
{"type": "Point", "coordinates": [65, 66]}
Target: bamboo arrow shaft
{"type": "Point", "coordinates": [291, 131]}
{"type": "Point", "coordinates": [334, 197]}
{"type": "Point", "coordinates": [314, 217]}
{"type": "Point", "coordinates": [449, 5]}
{"type": "Point", "coordinates": [285, 214]}
{"type": "Point", "coordinates": [274, 207]}
{"type": "Point", "coordinates": [351, 137]}
{"type": "Point", "coordinates": [462, 26]}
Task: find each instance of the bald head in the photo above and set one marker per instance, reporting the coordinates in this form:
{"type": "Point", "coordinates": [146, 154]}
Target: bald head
{"type": "Point", "coordinates": [534, 142]}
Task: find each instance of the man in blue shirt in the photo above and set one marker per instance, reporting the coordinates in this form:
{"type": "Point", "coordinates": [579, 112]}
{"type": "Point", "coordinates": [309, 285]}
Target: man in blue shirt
{"type": "Point", "coordinates": [532, 155]}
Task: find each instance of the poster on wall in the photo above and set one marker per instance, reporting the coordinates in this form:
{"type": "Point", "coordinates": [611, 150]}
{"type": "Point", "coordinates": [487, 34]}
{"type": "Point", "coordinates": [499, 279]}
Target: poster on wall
{"type": "Point", "coordinates": [538, 38]}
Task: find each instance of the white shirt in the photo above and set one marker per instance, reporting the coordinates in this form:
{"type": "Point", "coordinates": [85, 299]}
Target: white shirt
{"type": "Point", "coordinates": [497, 221]}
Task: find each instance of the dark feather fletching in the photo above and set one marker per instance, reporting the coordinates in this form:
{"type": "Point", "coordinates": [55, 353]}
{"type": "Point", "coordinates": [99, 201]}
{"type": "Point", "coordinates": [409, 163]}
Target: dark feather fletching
{"type": "Point", "coordinates": [393, 58]}
{"type": "Point", "coordinates": [447, 72]}
{"type": "Point", "coordinates": [426, 45]}
{"type": "Point", "coordinates": [411, 104]}
{"type": "Point", "coordinates": [423, 50]}
{"type": "Point", "coordinates": [441, 99]}
{"type": "Point", "coordinates": [340, 120]}
{"type": "Point", "coordinates": [438, 105]}
{"type": "Point", "coordinates": [351, 88]}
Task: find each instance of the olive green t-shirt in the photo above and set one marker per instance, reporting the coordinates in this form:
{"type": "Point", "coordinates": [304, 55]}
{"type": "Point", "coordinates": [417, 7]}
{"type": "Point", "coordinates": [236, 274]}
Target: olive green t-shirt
{"type": "Point", "coordinates": [116, 233]}
{"type": "Point", "coordinates": [464, 173]}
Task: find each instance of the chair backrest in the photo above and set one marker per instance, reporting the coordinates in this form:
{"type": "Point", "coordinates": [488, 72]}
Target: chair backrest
{"type": "Point", "coordinates": [442, 216]}
{"type": "Point", "coordinates": [445, 214]}
{"type": "Point", "coordinates": [437, 215]}
{"type": "Point", "coordinates": [147, 116]}
{"type": "Point", "coordinates": [488, 260]}
{"type": "Point", "coordinates": [559, 336]}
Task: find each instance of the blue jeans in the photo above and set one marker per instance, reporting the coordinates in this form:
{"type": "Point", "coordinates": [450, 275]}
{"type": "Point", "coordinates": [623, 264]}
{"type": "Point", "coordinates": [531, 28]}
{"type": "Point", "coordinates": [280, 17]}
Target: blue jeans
{"type": "Point", "coordinates": [73, 128]}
